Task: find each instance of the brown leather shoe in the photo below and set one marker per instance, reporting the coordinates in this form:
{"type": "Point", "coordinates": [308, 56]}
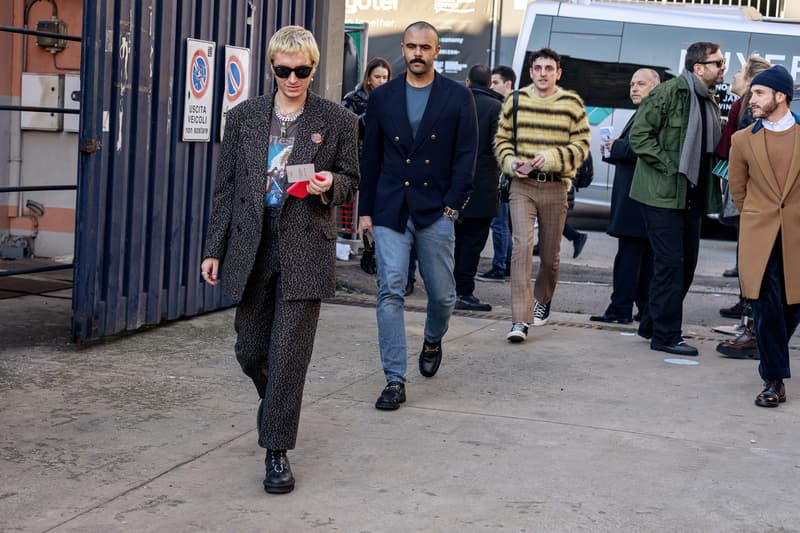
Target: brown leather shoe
{"type": "Point", "coordinates": [743, 346]}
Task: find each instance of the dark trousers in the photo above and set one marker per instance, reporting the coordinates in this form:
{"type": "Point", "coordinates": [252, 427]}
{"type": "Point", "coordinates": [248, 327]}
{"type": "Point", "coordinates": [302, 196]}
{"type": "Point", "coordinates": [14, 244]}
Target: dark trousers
{"type": "Point", "coordinates": [775, 320]}
{"type": "Point", "coordinates": [274, 340]}
{"type": "Point", "coordinates": [633, 269]}
{"type": "Point", "coordinates": [570, 233]}
{"type": "Point", "coordinates": [674, 236]}
{"type": "Point", "coordinates": [471, 236]}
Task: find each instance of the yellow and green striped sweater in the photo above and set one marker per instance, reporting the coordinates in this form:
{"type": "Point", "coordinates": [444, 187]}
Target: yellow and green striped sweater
{"type": "Point", "coordinates": [555, 126]}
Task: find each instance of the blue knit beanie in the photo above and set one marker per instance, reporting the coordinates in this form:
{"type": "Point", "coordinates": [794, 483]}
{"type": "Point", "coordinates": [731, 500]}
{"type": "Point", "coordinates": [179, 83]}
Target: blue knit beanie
{"type": "Point", "coordinates": [776, 78]}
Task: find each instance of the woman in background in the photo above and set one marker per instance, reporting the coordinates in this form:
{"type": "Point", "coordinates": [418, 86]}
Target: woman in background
{"type": "Point", "coordinates": [378, 72]}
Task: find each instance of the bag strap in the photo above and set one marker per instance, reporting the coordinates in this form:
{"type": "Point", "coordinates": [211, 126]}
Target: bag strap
{"type": "Point", "coordinates": [514, 109]}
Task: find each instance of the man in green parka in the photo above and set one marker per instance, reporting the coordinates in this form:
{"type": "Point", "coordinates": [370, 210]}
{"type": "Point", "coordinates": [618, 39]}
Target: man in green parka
{"type": "Point", "coordinates": [674, 135]}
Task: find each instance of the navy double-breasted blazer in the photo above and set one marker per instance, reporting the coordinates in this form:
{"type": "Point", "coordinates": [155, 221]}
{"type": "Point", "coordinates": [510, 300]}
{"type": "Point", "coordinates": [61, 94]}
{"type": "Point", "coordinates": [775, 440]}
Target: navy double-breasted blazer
{"type": "Point", "coordinates": [404, 176]}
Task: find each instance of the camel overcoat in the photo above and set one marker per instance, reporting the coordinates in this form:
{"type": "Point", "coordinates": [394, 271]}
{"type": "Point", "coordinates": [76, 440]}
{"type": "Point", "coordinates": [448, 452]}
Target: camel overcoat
{"type": "Point", "coordinates": [765, 211]}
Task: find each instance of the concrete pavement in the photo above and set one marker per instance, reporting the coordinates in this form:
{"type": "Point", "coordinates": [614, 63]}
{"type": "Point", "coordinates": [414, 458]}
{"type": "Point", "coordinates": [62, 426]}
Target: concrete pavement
{"type": "Point", "coordinates": [578, 429]}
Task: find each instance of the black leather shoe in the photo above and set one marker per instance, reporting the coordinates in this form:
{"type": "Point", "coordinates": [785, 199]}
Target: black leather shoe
{"type": "Point", "coordinates": [734, 311]}
{"type": "Point", "coordinates": [430, 358]}
{"type": "Point", "coordinates": [279, 478]}
{"type": "Point", "coordinates": [679, 348]}
{"type": "Point", "coordinates": [774, 393]}
{"type": "Point", "coordinates": [611, 317]}
{"type": "Point", "coordinates": [471, 303]}
{"type": "Point", "coordinates": [394, 393]}
{"type": "Point", "coordinates": [731, 273]}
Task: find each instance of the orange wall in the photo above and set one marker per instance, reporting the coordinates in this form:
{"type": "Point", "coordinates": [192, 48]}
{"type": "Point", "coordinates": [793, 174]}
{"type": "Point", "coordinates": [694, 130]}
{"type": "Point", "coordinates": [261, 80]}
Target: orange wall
{"type": "Point", "coordinates": [40, 60]}
{"type": "Point", "coordinates": [56, 219]}
{"type": "Point", "coordinates": [6, 51]}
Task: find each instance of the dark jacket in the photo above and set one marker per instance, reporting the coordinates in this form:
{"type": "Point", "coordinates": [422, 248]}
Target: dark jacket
{"type": "Point", "coordinates": [404, 177]}
{"type": "Point", "coordinates": [626, 218]}
{"type": "Point", "coordinates": [326, 137]}
{"type": "Point", "coordinates": [657, 137]}
{"type": "Point", "coordinates": [483, 202]}
{"type": "Point", "coordinates": [356, 101]}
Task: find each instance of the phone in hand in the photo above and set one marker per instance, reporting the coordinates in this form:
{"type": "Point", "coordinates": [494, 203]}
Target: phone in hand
{"type": "Point", "coordinates": [525, 168]}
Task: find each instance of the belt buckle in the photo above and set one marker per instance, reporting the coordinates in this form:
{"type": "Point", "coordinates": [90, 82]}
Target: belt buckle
{"type": "Point", "coordinates": [541, 177]}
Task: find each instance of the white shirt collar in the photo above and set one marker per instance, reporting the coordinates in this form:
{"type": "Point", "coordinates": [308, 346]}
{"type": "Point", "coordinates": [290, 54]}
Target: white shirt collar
{"type": "Point", "coordinates": [782, 124]}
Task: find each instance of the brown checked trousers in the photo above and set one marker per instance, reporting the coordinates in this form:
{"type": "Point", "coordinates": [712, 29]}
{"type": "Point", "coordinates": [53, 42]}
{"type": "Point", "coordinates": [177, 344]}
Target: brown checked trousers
{"type": "Point", "coordinates": [531, 200]}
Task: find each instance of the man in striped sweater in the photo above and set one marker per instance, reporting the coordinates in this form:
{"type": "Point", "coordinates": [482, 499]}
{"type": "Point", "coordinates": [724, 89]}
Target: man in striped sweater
{"type": "Point", "coordinates": [550, 143]}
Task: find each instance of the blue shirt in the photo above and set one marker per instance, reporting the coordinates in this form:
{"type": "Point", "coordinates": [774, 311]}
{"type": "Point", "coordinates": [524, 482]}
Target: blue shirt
{"type": "Point", "coordinates": [416, 101]}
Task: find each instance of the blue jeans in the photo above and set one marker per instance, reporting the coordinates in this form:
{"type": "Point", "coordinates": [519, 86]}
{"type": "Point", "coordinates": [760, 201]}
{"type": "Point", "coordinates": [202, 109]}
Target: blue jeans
{"type": "Point", "coordinates": [501, 239]}
{"type": "Point", "coordinates": [435, 247]}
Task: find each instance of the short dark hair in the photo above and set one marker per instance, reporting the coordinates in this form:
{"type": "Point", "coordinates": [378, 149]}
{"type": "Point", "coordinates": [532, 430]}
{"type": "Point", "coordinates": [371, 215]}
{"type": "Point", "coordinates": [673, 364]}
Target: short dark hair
{"type": "Point", "coordinates": [506, 73]}
{"type": "Point", "coordinates": [698, 52]}
{"type": "Point", "coordinates": [548, 53]}
{"type": "Point", "coordinates": [421, 25]}
{"type": "Point", "coordinates": [480, 75]}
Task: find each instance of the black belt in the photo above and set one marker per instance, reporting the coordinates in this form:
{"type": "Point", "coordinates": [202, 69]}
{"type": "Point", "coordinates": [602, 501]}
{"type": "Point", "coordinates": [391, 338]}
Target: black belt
{"type": "Point", "coordinates": [544, 176]}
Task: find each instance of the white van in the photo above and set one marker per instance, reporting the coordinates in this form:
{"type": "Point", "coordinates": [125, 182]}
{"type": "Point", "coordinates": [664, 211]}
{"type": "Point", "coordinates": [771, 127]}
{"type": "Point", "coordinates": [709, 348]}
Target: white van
{"type": "Point", "coordinates": [603, 43]}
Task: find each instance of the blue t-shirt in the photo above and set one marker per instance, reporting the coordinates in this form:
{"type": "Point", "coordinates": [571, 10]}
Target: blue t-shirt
{"type": "Point", "coordinates": [416, 101]}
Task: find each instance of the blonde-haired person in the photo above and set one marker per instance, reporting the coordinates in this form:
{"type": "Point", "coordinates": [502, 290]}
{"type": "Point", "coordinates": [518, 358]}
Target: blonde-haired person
{"type": "Point", "coordinates": [739, 117]}
{"type": "Point", "coordinates": [273, 252]}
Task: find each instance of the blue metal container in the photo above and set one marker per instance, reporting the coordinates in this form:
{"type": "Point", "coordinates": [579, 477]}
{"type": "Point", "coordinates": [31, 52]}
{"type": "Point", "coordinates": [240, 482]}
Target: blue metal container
{"type": "Point", "coordinates": [144, 196]}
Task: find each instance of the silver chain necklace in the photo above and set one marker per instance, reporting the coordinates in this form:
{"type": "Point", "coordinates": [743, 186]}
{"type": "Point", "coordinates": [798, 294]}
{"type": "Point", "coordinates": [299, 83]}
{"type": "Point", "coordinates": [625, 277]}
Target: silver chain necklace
{"type": "Point", "coordinates": [287, 119]}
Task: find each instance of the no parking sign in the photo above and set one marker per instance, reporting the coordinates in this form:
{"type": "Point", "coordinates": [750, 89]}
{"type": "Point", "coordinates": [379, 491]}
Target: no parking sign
{"type": "Point", "coordinates": [237, 80]}
{"type": "Point", "coordinates": [199, 90]}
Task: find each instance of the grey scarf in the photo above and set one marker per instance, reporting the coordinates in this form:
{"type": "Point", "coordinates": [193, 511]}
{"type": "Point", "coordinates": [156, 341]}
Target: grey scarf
{"type": "Point", "coordinates": [691, 152]}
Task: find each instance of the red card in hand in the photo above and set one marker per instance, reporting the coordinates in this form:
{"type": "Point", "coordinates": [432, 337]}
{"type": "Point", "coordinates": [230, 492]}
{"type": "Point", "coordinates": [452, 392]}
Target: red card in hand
{"type": "Point", "coordinates": [298, 189]}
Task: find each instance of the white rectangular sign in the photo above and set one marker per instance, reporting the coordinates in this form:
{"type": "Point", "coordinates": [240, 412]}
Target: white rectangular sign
{"type": "Point", "coordinates": [199, 90]}
{"type": "Point", "coordinates": [237, 81]}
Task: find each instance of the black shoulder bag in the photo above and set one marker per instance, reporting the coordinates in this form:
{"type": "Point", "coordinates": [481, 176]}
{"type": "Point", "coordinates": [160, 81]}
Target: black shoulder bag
{"type": "Point", "coordinates": [505, 179]}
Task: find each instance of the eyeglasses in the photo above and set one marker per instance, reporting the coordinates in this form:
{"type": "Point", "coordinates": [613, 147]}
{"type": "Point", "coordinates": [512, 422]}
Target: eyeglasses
{"type": "Point", "coordinates": [718, 62]}
{"type": "Point", "coordinates": [284, 72]}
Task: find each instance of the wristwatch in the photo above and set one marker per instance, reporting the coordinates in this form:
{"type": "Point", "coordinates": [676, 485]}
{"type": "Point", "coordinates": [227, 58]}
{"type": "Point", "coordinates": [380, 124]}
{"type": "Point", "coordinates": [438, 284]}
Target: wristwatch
{"type": "Point", "coordinates": [451, 213]}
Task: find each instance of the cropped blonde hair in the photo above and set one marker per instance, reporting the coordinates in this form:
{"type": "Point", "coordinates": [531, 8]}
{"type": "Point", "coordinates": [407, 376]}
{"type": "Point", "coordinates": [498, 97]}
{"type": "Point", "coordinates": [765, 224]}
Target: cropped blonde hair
{"type": "Point", "coordinates": [291, 39]}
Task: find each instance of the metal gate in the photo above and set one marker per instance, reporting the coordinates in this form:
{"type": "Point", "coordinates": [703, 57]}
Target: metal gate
{"type": "Point", "coordinates": [144, 195]}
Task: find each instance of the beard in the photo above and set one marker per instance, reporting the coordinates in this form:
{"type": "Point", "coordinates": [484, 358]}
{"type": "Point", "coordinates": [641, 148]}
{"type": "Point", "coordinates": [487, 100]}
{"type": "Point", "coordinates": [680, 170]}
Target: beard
{"type": "Point", "coordinates": [765, 109]}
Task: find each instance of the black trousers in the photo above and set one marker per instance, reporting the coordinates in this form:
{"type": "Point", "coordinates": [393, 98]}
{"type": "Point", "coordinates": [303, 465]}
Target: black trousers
{"type": "Point", "coordinates": [471, 236]}
{"type": "Point", "coordinates": [633, 269]}
{"type": "Point", "coordinates": [775, 320]}
{"type": "Point", "coordinates": [274, 340]}
{"type": "Point", "coordinates": [674, 236]}
{"type": "Point", "coordinates": [570, 233]}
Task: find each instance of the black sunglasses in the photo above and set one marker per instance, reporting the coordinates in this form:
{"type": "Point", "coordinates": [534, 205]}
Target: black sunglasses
{"type": "Point", "coordinates": [718, 62]}
{"type": "Point", "coordinates": [284, 72]}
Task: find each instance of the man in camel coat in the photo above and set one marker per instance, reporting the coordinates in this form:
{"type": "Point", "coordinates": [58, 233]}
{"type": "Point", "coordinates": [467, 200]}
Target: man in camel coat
{"type": "Point", "coordinates": [764, 176]}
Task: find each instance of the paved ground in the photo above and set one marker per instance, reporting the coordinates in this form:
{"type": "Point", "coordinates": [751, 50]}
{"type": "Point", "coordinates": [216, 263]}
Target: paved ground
{"type": "Point", "coordinates": [579, 429]}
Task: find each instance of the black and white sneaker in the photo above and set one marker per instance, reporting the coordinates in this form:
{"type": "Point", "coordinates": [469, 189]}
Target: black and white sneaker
{"type": "Point", "coordinates": [541, 314]}
{"type": "Point", "coordinates": [518, 333]}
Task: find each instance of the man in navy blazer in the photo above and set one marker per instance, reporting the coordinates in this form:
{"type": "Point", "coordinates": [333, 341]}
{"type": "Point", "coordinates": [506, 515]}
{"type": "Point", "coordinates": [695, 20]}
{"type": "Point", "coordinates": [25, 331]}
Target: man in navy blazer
{"type": "Point", "coordinates": [417, 165]}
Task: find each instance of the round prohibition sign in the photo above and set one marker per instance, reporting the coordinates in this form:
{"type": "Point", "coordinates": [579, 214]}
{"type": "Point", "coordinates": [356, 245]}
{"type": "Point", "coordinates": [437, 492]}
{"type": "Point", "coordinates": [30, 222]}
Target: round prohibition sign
{"type": "Point", "coordinates": [234, 78]}
{"type": "Point", "coordinates": [199, 74]}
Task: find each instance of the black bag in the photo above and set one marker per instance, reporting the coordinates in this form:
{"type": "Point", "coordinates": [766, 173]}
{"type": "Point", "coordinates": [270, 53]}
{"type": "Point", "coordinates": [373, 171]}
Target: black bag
{"type": "Point", "coordinates": [368, 263]}
{"type": "Point", "coordinates": [585, 174]}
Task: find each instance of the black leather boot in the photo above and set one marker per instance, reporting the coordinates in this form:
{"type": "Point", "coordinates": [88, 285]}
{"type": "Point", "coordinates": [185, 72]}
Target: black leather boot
{"type": "Point", "coordinates": [774, 393]}
{"type": "Point", "coordinates": [279, 478]}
